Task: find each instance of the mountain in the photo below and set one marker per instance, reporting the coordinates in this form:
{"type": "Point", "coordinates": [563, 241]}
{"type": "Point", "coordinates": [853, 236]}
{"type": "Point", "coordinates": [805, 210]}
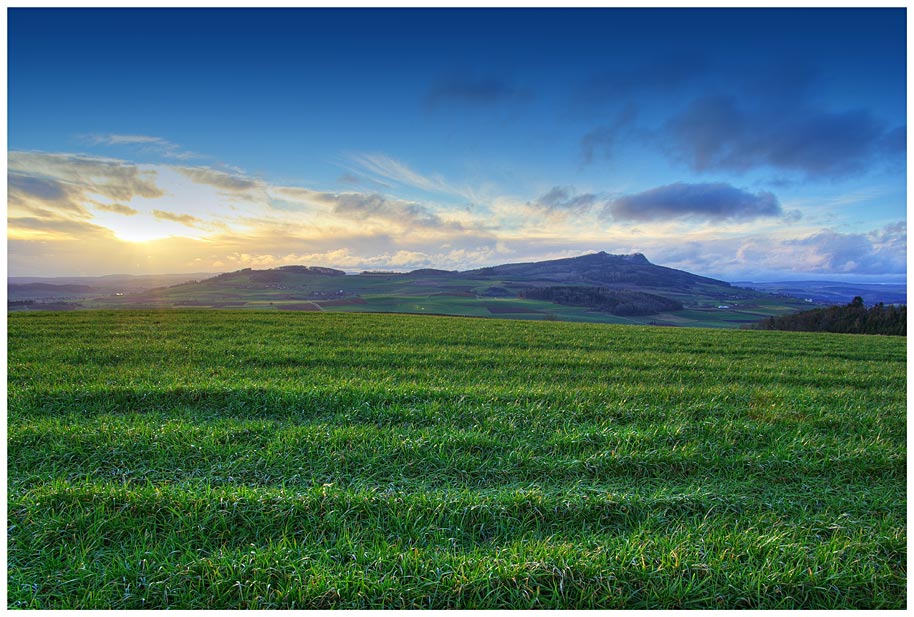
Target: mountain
{"type": "Point", "coordinates": [598, 287]}
{"type": "Point", "coordinates": [627, 271]}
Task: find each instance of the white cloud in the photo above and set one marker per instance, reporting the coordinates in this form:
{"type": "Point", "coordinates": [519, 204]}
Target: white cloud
{"type": "Point", "coordinates": [144, 143]}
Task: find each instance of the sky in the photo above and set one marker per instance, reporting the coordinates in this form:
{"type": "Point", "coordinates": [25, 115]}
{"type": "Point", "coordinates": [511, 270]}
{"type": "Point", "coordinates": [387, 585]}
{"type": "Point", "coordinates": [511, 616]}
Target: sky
{"type": "Point", "coordinates": [741, 144]}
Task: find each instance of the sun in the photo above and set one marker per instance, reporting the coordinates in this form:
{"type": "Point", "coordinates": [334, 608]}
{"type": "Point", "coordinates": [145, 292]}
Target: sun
{"type": "Point", "coordinates": [139, 235]}
{"type": "Point", "coordinates": [141, 229]}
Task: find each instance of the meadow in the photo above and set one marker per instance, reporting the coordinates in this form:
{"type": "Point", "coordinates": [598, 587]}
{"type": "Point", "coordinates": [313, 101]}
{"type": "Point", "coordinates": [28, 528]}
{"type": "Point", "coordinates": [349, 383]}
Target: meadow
{"type": "Point", "coordinates": [244, 459]}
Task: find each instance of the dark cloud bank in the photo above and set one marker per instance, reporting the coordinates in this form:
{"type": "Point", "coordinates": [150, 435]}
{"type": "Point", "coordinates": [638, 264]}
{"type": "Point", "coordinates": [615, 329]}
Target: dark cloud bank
{"type": "Point", "coordinates": [734, 122]}
{"type": "Point", "coordinates": [725, 133]}
{"type": "Point", "coordinates": [712, 201]}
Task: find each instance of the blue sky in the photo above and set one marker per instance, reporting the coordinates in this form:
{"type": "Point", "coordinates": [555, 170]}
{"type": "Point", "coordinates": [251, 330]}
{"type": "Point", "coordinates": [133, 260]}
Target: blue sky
{"type": "Point", "coordinates": [742, 144]}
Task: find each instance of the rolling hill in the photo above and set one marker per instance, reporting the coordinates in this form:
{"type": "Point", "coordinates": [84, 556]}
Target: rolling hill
{"type": "Point", "coordinates": [597, 287]}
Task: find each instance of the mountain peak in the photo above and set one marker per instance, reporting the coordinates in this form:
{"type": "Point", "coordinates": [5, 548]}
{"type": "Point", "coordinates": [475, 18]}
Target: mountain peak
{"type": "Point", "coordinates": [633, 258]}
{"type": "Point", "coordinates": [637, 258]}
{"type": "Point", "coordinates": [598, 269]}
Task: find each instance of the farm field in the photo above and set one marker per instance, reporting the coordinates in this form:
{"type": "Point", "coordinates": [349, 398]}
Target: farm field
{"type": "Point", "coordinates": [194, 458]}
{"type": "Point", "coordinates": [705, 312]}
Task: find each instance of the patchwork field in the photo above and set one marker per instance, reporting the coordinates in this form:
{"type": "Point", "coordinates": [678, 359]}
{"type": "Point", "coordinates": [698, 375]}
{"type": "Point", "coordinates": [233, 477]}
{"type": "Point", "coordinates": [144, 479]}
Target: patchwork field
{"type": "Point", "coordinates": [305, 459]}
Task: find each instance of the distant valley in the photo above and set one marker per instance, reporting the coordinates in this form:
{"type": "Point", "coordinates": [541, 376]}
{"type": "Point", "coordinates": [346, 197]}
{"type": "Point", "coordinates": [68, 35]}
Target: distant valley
{"type": "Point", "coordinates": [835, 293]}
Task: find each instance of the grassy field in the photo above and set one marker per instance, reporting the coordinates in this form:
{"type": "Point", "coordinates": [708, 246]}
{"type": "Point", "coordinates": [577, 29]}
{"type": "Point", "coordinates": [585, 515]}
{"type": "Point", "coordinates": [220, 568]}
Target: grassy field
{"type": "Point", "coordinates": [239, 459]}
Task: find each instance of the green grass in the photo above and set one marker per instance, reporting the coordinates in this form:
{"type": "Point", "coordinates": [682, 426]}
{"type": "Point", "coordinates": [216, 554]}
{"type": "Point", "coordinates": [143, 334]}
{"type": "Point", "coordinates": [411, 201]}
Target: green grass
{"type": "Point", "coordinates": [242, 459]}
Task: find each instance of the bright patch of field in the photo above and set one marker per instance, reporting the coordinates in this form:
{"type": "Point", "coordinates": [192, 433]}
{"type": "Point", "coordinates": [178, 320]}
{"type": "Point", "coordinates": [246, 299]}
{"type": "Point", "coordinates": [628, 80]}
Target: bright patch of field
{"type": "Point", "coordinates": [242, 459]}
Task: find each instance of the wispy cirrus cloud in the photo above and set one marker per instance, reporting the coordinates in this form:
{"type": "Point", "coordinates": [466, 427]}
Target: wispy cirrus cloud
{"type": "Point", "coordinates": [389, 168]}
{"type": "Point", "coordinates": [143, 143]}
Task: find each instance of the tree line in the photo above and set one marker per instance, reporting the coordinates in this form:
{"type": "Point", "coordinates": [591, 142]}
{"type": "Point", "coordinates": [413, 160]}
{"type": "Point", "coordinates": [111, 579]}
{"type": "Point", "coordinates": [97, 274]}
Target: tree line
{"type": "Point", "coordinates": [855, 318]}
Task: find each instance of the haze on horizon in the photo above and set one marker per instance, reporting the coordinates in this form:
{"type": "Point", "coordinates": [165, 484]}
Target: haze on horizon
{"type": "Point", "coordinates": [740, 144]}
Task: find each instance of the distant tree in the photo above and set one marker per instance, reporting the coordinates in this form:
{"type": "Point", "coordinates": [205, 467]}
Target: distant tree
{"type": "Point", "coordinates": [853, 318]}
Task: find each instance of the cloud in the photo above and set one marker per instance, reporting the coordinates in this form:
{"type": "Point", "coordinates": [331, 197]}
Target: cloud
{"type": "Point", "coordinates": [62, 225]}
{"type": "Point", "coordinates": [878, 252]}
{"type": "Point", "coordinates": [57, 187]}
{"type": "Point", "coordinates": [475, 90]}
{"type": "Point", "coordinates": [561, 199]}
{"type": "Point", "coordinates": [709, 201]}
{"type": "Point", "coordinates": [376, 206]}
{"type": "Point", "coordinates": [602, 139]}
{"type": "Point", "coordinates": [84, 175]}
{"type": "Point", "coordinates": [32, 192]}
{"type": "Point", "coordinates": [118, 209]}
{"type": "Point", "coordinates": [229, 183]}
{"type": "Point", "coordinates": [392, 169]}
{"type": "Point", "coordinates": [28, 228]}
{"type": "Point", "coordinates": [792, 216]}
{"type": "Point", "coordinates": [144, 143]}
{"type": "Point", "coordinates": [370, 253]}
{"type": "Point", "coordinates": [768, 116]}
{"type": "Point", "coordinates": [44, 189]}
{"type": "Point", "coordinates": [725, 133]}
{"type": "Point", "coordinates": [184, 219]}
{"type": "Point", "coordinates": [365, 206]}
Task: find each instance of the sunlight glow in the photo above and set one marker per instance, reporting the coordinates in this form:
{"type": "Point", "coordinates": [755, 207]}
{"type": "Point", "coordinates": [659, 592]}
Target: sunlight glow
{"type": "Point", "coordinates": [144, 228]}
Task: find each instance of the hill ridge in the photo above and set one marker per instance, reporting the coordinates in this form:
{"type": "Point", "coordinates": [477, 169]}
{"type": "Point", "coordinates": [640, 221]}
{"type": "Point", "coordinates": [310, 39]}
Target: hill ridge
{"type": "Point", "coordinates": [594, 287]}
